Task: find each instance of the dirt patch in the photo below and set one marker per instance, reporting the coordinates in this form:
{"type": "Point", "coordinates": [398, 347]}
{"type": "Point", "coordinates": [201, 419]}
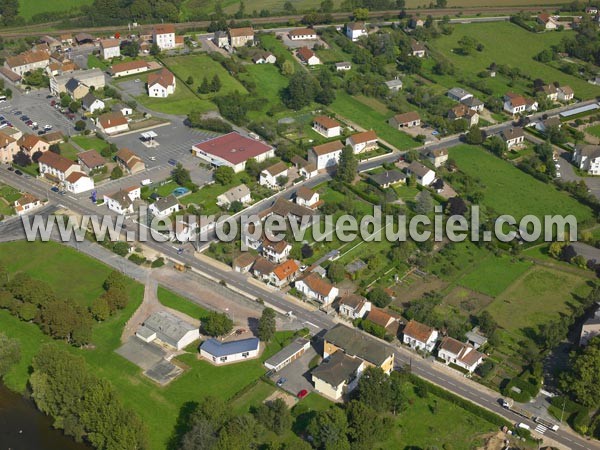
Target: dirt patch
{"type": "Point", "coordinates": [467, 301]}
{"type": "Point", "coordinates": [493, 441]}
{"type": "Point", "coordinates": [289, 400]}
{"type": "Point", "coordinates": [414, 287]}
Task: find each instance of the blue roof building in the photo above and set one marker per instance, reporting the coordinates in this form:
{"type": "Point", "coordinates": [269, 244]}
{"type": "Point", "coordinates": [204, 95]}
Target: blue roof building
{"type": "Point", "coordinates": [226, 352]}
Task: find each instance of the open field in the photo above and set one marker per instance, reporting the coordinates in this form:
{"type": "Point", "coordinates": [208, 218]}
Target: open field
{"type": "Point", "coordinates": [8, 195]}
{"type": "Point", "coordinates": [505, 187]}
{"type": "Point", "coordinates": [539, 296]}
{"type": "Point", "coordinates": [29, 8]}
{"type": "Point", "coordinates": [494, 274]}
{"type": "Point", "coordinates": [362, 114]}
{"type": "Point", "coordinates": [516, 49]}
{"type": "Point", "coordinates": [158, 407]}
{"type": "Point", "coordinates": [174, 301]}
{"type": "Point", "coordinates": [594, 130]}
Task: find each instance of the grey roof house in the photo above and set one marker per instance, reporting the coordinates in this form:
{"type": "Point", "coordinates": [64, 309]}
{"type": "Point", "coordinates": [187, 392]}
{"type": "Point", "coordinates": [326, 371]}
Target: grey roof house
{"type": "Point", "coordinates": [169, 329]}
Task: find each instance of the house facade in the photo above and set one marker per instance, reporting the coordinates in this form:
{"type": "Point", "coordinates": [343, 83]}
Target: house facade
{"type": "Point", "coordinates": [271, 175]}
{"type": "Point", "coordinates": [354, 30]}
{"type": "Point", "coordinates": [405, 120]}
{"type": "Point", "coordinates": [8, 148]}
{"type": "Point", "coordinates": [302, 34]}
{"type": "Point", "coordinates": [78, 182]}
{"type": "Point", "coordinates": [239, 193]}
{"type": "Point", "coordinates": [112, 123]}
{"type": "Point", "coordinates": [362, 142]}
{"type": "Point", "coordinates": [121, 201]}
{"type": "Point", "coordinates": [354, 306]}
{"type": "Point", "coordinates": [337, 375]}
{"type": "Point", "coordinates": [325, 155]}
{"type": "Point", "coordinates": [26, 203]}
{"type": "Point", "coordinates": [165, 206]}
{"type": "Point", "coordinates": [110, 48]}
{"type": "Point", "coordinates": [219, 352]}
{"type": "Point", "coordinates": [56, 167]}
{"type": "Point", "coordinates": [164, 36]}
{"type": "Point", "coordinates": [326, 126]}
{"type": "Point", "coordinates": [587, 157]}
{"type": "Point", "coordinates": [307, 197]}
{"type": "Point", "coordinates": [438, 157]}
{"type": "Point", "coordinates": [161, 84]}
{"type": "Point", "coordinates": [513, 136]}
{"type": "Point", "coordinates": [307, 56]}
{"type": "Point", "coordinates": [316, 288]}
{"type": "Point", "coordinates": [129, 161]}
{"type": "Point", "coordinates": [423, 174]}
{"type": "Point", "coordinates": [239, 37]}
{"type": "Point", "coordinates": [459, 353]}
{"type": "Point", "coordinates": [419, 336]}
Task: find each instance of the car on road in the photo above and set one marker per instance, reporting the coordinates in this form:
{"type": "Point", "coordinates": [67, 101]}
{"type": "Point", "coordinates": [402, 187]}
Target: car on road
{"type": "Point", "coordinates": [17, 113]}
{"type": "Point", "coordinates": [54, 189]}
{"type": "Point", "coordinates": [53, 103]}
{"type": "Point", "coordinates": [29, 123]}
{"type": "Point", "coordinates": [303, 393]}
{"type": "Point", "coordinates": [49, 96]}
{"type": "Point", "coordinates": [41, 132]}
{"type": "Point", "coordinates": [281, 381]}
{"type": "Point", "coordinates": [47, 127]}
{"type": "Point", "coordinates": [172, 162]}
{"type": "Point", "coordinates": [11, 169]}
{"type": "Point", "coordinates": [18, 172]}
{"type": "Point", "coordinates": [2, 119]}
{"type": "Point", "coordinates": [24, 118]}
{"type": "Point", "coordinates": [146, 182]}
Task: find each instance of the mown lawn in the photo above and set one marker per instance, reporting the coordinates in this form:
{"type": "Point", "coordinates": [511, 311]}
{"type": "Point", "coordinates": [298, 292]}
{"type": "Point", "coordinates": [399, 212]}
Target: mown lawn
{"type": "Point", "coordinates": [508, 190]}
{"type": "Point", "coordinates": [90, 143]}
{"type": "Point", "coordinates": [360, 113]}
{"type": "Point", "coordinates": [174, 301]}
{"type": "Point", "coordinates": [79, 277]}
{"type": "Point", "coordinates": [505, 43]}
{"type": "Point", "coordinates": [494, 274]}
{"type": "Point", "coordinates": [68, 150]}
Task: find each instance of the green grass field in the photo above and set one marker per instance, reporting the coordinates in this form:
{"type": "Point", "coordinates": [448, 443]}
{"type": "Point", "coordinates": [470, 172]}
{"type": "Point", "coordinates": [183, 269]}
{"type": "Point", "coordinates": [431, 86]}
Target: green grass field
{"type": "Point", "coordinates": [8, 195]}
{"type": "Point", "coordinates": [174, 301]}
{"type": "Point", "coordinates": [507, 190]}
{"type": "Point", "coordinates": [29, 8]}
{"type": "Point", "coordinates": [90, 142]}
{"type": "Point", "coordinates": [494, 274]}
{"type": "Point", "coordinates": [594, 130]}
{"type": "Point", "coordinates": [68, 150]}
{"type": "Point", "coordinates": [505, 43]}
{"type": "Point", "coordinates": [536, 298]}
{"type": "Point", "coordinates": [362, 114]}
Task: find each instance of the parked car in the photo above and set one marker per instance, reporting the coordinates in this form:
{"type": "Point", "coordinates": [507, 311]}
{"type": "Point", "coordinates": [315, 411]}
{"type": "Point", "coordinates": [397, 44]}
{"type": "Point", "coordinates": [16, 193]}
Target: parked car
{"type": "Point", "coordinates": [2, 118]}
{"type": "Point", "coordinates": [18, 172]}
{"type": "Point", "coordinates": [41, 132]}
{"type": "Point", "coordinates": [54, 189]}
{"type": "Point", "coordinates": [303, 393]}
{"type": "Point", "coordinates": [47, 127]}
{"type": "Point", "coordinates": [281, 381]}
{"type": "Point", "coordinates": [17, 113]}
{"type": "Point", "coordinates": [11, 169]}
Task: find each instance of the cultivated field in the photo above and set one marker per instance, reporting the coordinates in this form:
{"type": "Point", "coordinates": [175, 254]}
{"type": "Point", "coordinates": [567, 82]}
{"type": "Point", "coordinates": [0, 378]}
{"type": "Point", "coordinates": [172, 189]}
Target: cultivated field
{"type": "Point", "coordinates": [508, 190]}
{"type": "Point", "coordinates": [505, 43]}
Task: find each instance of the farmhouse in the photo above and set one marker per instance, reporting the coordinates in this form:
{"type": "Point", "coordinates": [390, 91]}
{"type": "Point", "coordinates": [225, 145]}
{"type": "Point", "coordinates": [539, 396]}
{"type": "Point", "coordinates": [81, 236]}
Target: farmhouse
{"type": "Point", "coordinates": [221, 39]}
{"type": "Point", "coordinates": [121, 201]}
{"type": "Point", "coordinates": [165, 206]}
{"type": "Point", "coordinates": [405, 120]}
{"type": "Point", "coordinates": [264, 58]}
{"type": "Point", "coordinates": [343, 66]}
{"type": "Point", "coordinates": [227, 352]}
{"type": "Point", "coordinates": [326, 126]}
{"type": "Point", "coordinates": [239, 193]}
{"type": "Point", "coordinates": [287, 354]}
{"type": "Point", "coordinates": [129, 68]}
{"type": "Point", "coordinates": [358, 345]}
{"type": "Point", "coordinates": [32, 144]}
{"type": "Point", "coordinates": [423, 174]}
{"type": "Point", "coordinates": [239, 37]}
{"type": "Point", "coordinates": [394, 85]}
{"type": "Point", "coordinates": [462, 111]}
{"type": "Point", "coordinates": [459, 94]}
{"type": "Point", "coordinates": [513, 136]}
{"type": "Point", "coordinates": [168, 329]}
{"type": "Point", "coordinates": [514, 103]}
{"type": "Point", "coordinates": [354, 30]}
{"type": "Point", "coordinates": [307, 56]}
{"type": "Point", "coordinates": [8, 148]}
{"type": "Point", "coordinates": [110, 48]}
{"type": "Point", "coordinates": [388, 178]}
{"type": "Point", "coordinates": [474, 103]}
{"type": "Point", "coordinates": [417, 49]}
{"type": "Point", "coordinates": [56, 167]}
{"type": "Point", "coordinates": [129, 161]}
{"type": "Point", "coordinates": [27, 62]}
{"type": "Point", "coordinates": [272, 175]}
{"type": "Point", "coordinates": [161, 84]}
{"type": "Point", "coordinates": [92, 104]}
{"type": "Point", "coordinates": [419, 336]}
{"type": "Point", "coordinates": [549, 22]}
{"type": "Point", "coordinates": [565, 93]}
{"type": "Point", "coordinates": [164, 36]}
{"type": "Point", "coordinates": [26, 203]}
{"type": "Point", "coordinates": [301, 34]}
{"type": "Point", "coordinates": [78, 182]}
{"type": "Point", "coordinates": [307, 197]}
{"type": "Point", "coordinates": [233, 150]}
{"type": "Point", "coordinates": [463, 355]}
{"type": "Point", "coordinates": [362, 142]}
{"type": "Point", "coordinates": [337, 375]}
{"type": "Point", "coordinates": [325, 155]}
{"type": "Point", "coordinates": [438, 157]}
{"type": "Point", "coordinates": [316, 288]}
{"type": "Point", "coordinates": [284, 273]}
{"type": "Point", "coordinates": [354, 306]}
{"type": "Point", "coordinates": [112, 123]}
{"type": "Point", "coordinates": [587, 157]}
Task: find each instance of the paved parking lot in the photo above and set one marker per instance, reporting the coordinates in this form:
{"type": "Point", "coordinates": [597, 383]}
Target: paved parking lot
{"type": "Point", "coordinates": [132, 87]}
{"type": "Point", "coordinates": [297, 374]}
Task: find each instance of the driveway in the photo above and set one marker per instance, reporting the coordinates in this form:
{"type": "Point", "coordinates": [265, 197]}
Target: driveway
{"type": "Point", "coordinates": [297, 374]}
{"type": "Point", "coordinates": [567, 172]}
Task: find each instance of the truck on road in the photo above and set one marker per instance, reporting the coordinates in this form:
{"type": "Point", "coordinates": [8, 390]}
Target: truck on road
{"type": "Point", "coordinates": [509, 404]}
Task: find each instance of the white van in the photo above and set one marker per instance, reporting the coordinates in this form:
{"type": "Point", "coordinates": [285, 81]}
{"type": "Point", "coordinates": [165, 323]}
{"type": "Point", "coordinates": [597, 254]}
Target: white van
{"type": "Point", "coordinates": [524, 426]}
{"type": "Point", "coordinates": [146, 182]}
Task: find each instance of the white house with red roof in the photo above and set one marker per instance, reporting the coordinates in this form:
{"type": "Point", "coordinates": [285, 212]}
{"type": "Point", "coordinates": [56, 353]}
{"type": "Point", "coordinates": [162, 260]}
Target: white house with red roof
{"type": "Point", "coordinates": [110, 48]}
{"type": "Point", "coordinates": [307, 56]}
{"type": "Point", "coordinates": [459, 353]}
{"type": "Point", "coordinates": [419, 336]}
{"type": "Point", "coordinates": [161, 84]}
{"type": "Point", "coordinates": [121, 201]}
{"type": "Point", "coordinates": [233, 150]}
{"type": "Point", "coordinates": [514, 103]}
{"type": "Point", "coordinates": [326, 126]}
{"type": "Point", "coordinates": [78, 182]}
{"type": "Point", "coordinates": [316, 288]}
{"type": "Point", "coordinates": [164, 36]}
{"type": "Point", "coordinates": [112, 123]}
{"type": "Point", "coordinates": [362, 142]}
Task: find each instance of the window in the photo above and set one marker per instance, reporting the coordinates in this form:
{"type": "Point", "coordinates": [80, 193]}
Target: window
{"type": "Point", "coordinates": [223, 358]}
{"type": "Point", "coordinates": [245, 354]}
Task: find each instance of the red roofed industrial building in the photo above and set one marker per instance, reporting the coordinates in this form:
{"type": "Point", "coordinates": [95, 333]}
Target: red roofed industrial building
{"type": "Point", "coordinates": [233, 150]}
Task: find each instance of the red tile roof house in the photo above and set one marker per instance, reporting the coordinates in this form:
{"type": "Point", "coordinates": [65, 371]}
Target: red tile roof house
{"type": "Point", "coordinates": [307, 197]}
{"type": "Point", "coordinates": [26, 203]}
{"type": "Point", "coordinates": [112, 123]}
{"type": "Point", "coordinates": [316, 288]}
{"type": "Point", "coordinates": [233, 150]}
{"type": "Point", "coordinates": [110, 48]}
{"type": "Point", "coordinates": [362, 142]}
{"type": "Point", "coordinates": [90, 160]}
{"type": "Point", "coordinates": [284, 273]}
{"type": "Point", "coordinates": [164, 36]}
{"type": "Point", "coordinates": [326, 126]}
{"type": "Point", "coordinates": [129, 161]}
{"type": "Point", "coordinates": [78, 182]}
{"type": "Point", "coordinates": [300, 34]}
{"type": "Point", "coordinates": [32, 144]}
{"type": "Point", "coordinates": [459, 353]}
{"type": "Point", "coordinates": [56, 167]}
{"type": "Point", "coordinates": [129, 68]}
{"type": "Point", "coordinates": [269, 176]}
{"type": "Point", "coordinates": [325, 155]}
{"type": "Point", "coordinates": [307, 56]}
{"type": "Point", "coordinates": [276, 252]}
{"type": "Point", "coordinates": [8, 148]}
{"type": "Point", "coordinates": [419, 336]}
{"type": "Point", "coordinates": [161, 84]}
{"type": "Point", "coordinates": [405, 120]}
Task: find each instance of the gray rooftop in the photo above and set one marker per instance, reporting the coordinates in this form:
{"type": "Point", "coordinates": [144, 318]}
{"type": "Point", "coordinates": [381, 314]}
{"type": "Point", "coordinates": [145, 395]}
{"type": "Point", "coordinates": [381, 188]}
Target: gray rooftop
{"type": "Point", "coordinates": [472, 102]}
{"type": "Point", "coordinates": [145, 332]}
{"type": "Point", "coordinates": [418, 169]}
{"type": "Point", "coordinates": [355, 343]}
{"type": "Point", "coordinates": [166, 202]}
{"type": "Point", "coordinates": [389, 176]}
{"type": "Point", "coordinates": [71, 85]}
{"type": "Point", "coordinates": [393, 83]}
{"type": "Point", "coordinates": [168, 324]}
{"type": "Point", "coordinates": [286, 352]}
{"type": "Point", "coordinates": [236, 193]}
{"type": "Point", "coordinates": [459, 92]}
{"type": "Point", "coordinates": [218, 348]}
{"type": "Point", "coordinates": [338, 368]}
{"type": "Point", "coordinates": [474, 336]}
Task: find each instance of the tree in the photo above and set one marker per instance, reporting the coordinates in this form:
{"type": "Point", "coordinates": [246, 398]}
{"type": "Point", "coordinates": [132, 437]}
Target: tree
{"type": "Point", "coordinates": [347, 166]}
{"type": "Point", "coordinates": [474, 136]}
{"type": "Point", "coordinates": [55, 148]}
{"type": "Point", "coordinates": [301, 90]}
{"type": "Point", "coordinates": [274, 415]}
{"type": "Point", "coordinates": [329, 429]}
{"type": "Point", "coordinates": [487, 323]}
{"type": "Point", "coordinates": [424, 202]}
{"type": "Point", "coordinates": [266, 325]}
{"type": "Point", "coordinates": [336, 272]}
{"type": "Point", "coordinates": [204, 87]}
{"type": "Point", "coordinates": [252, 168]}
{"type": "Point", "coordinates": [306, 251]}
{"type": "Point", "coordinates": [215, 84]}
{"type": "Point", "coordinates": [155, 49]}
{"type": "Point", "coordinates": [10, 353]}
{"type": "Point", "coordinates": [282, 180]}
{"type": "Point", "coordinates": [224, 175]}
{"type": "Point", "coordinates": [80, 125]}
{"type": "Point", "coordinates": [456, 206]}
{"type": "Point", "coordinates": [9, 10]}
{"type": "Point", "coordinates": [497, 145]}
{"type": "Point", "coordinates": [190, 80]}
{"type": "Point", "coordinates": [217, 324]}
{"type": "Point", "coordinates": [374, 389]}
{"type": "Point", "coordinates": [379, 297]}
{"type": "Point", "coordinates": [287, 68]}
{"type": "Point", "coordinates": [467, 45]}
{"type": "Point", "coordinates": [22, 159]}
{"type": "Point", "coordinates": [583, 378]}
{"type": "Point", "coordinates": [130, 48]}
{"type": "Point", "coordinates": [364, 425]}
{"type": "Point", "coordinates": [361, 14]}
{"type": "Point", "coordinates": [181, 175]}
{"type": "Point", "coordinates": [100, 309]}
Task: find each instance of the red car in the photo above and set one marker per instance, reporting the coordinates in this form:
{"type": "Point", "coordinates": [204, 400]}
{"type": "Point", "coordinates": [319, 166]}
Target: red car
{"type": "Point", "coordinates": [303, 393]}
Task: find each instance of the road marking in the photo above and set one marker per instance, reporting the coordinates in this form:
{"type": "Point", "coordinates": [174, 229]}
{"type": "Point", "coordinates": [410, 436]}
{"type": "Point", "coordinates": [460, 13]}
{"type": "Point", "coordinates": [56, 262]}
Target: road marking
{"type": "Point", "coordinates": [541, 429]}
{"type": "Point", "coordinates": [311, 324]}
